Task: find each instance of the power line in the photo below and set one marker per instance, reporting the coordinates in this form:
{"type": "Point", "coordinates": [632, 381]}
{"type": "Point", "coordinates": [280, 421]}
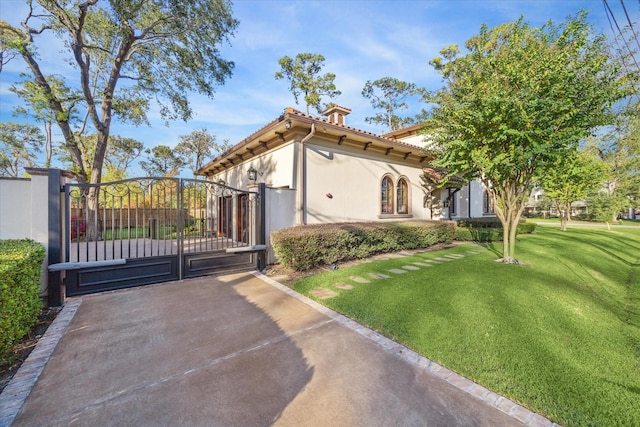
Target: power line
{"type": "Point", "coordinates": [633, 31]}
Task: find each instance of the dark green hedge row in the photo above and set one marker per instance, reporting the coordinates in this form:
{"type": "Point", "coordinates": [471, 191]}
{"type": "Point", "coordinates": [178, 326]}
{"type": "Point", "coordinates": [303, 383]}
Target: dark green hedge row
{"type": "Point", "coordinates": [308, 246]}
{"type": "Point", "coordinates": [484, 233]}
{"type": "Point", "coordinates": [20, 270]}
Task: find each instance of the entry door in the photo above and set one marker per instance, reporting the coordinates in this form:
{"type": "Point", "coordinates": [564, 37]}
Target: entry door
{"type": "Point", "coordinates": [225, 217]}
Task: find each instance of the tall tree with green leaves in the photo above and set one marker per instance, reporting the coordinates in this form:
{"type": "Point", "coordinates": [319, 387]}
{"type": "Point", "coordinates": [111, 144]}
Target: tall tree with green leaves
{"type": "Point", "coordinates": [303, 74]}
{"type": "Point", "coordinates": [518, 101]}
{"type": "Point", "coordinates": [199, 146]}
{"type": "Point", "coordinates": [19, 147]}
{"type": "Point", "coordinates": [571, 179]}
{"type": "Point", "coordinates": [127, 53]}
{"type": "Point", "coordinates": [36, 106]}
{"type": "Point", "coordinates": [620, 151]}
{"type": "Point", "coordinates": [162, 161]}
{"type": "Point", "coordinates": [388, 94]}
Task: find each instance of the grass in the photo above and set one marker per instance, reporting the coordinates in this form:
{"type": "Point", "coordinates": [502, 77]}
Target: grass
{"type": "Point", "coordinates": [559, 334]}
{"type": "Point", "coordinates": [162, 233]}
{"type": "Point", "coordinates": [556, 220]}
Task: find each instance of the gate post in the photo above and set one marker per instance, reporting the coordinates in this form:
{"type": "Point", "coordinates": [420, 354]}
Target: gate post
{"type": "Point", "coordinates": [261, 225]}
{"type": "Point", "coordinates": [55, 290]}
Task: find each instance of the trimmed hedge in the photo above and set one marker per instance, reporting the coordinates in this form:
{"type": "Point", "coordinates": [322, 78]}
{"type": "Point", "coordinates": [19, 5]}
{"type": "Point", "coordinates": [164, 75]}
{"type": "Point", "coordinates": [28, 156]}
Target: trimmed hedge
{"type": "Point", "coordinates": [486, 233]}
{"type": "Point", "coordinates": [308, 246]}
{"type": "Point", "coordinates": [20, 304]}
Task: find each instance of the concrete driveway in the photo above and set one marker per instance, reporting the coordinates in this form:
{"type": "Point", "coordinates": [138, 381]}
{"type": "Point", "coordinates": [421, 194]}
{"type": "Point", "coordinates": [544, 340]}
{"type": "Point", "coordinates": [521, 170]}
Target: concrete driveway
{"type": "Point", "coordinates": [242, 350]}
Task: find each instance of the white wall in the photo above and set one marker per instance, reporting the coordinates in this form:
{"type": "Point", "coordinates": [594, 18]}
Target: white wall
{"type": "Point", "coordinates": [275, 168]}
{"type": "Point", "coordinates": [280, 213]}
{"type": "Point", "coordinates": [15, 208]}
{"type": "Point", "coordinates": [24, 213]}
{"type": "Point", "coordinates": [343, 183]}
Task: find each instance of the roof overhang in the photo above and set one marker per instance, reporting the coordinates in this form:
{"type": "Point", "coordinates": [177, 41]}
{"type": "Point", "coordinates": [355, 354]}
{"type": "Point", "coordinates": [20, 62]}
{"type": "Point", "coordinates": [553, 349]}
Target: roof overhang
{"type": "Point", "coordinates": [294, 125]}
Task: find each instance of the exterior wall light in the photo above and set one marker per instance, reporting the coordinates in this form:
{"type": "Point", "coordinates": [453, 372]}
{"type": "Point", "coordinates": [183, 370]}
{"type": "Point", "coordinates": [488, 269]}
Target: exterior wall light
{"type": "Point", "coordinates": [253, 174]}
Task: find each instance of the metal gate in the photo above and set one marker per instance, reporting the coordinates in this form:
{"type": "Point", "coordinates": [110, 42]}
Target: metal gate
{"type": "Point", "coordinates": [148, 230]}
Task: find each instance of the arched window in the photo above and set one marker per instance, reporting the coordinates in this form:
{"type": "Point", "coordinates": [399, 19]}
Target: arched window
{"type": "Point", "coordinates": [386, 199]}
{"type": "Point", "coordinates": [402, 196]}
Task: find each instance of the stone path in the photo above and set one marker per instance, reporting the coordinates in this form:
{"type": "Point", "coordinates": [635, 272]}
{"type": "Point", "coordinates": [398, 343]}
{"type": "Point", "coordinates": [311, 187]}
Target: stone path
{"type": "Point", "coordinates": [324, 293]}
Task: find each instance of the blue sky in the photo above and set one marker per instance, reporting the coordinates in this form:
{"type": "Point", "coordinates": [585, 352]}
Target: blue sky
{"type": "Point", "coordinates": [360, 39]}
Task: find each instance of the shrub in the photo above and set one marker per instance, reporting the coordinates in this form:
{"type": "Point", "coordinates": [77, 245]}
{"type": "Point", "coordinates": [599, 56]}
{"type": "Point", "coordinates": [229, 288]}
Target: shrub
{"type": "Point", "coordinates": [20, 269]}
{"type": "Point", "coordinates": [308, 246]}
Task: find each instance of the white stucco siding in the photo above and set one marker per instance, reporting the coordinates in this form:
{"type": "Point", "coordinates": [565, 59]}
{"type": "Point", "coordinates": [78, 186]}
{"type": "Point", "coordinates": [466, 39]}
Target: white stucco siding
{"type": "Point", "coordinates": [344, 183]}
{"type": "Point", "coordinates": [275, 168]}
{"type": "Point", "coordinates": [15, 209]}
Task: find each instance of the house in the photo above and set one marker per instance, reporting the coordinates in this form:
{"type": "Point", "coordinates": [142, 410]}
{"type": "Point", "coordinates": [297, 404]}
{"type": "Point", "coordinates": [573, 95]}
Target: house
{"type": "Point", "coordinates": [320, 170]}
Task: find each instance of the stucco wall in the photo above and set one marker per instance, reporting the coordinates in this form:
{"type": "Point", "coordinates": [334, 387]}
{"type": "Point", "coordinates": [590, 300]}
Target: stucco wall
{"type": "Point", "coordinates": [24, 213]}
{"type": "Point", "coordinates": [275, 168]}
{"type": "Point", "coordinates": [280, 208]}
{"type": "Point", "coordinates": [15, 208]}
{"type": "Point", "coordinates": [343, 183]}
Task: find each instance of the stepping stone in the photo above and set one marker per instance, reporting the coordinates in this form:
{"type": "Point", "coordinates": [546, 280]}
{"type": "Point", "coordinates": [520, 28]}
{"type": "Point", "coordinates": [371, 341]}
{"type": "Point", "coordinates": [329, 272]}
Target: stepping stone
{"type": "Point", "coordinates": [443, 259]}
{"type": "Point", "coordinates": [378, 276]}
{"type": "Point", "coordinates": [410, 268]}
{"type": "Point", "coordinates": [454, 256]}
{"type": "Point", "coordinates": [359, 279]}
{"type": "Point", "coordinates": [397, 271]}
{"type": "Point", "coordinates": [422, 264]}
{"type": "Point", "coordinates": [323, 293]}
{"type": "Point", "coordinates": [341, 285]}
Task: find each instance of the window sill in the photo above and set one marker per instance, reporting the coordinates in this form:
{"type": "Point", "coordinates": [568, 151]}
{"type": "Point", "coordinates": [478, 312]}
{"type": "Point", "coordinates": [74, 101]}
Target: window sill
{"type": "Point", "coordinates": [394, 216]}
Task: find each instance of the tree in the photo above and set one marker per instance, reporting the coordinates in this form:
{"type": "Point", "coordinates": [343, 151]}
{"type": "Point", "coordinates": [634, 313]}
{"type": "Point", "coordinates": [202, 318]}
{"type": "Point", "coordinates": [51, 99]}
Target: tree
{"type": "Point", "coordinates": [121, 152]}
{"type": "Point", "coordinates": [162, 161]}
{"type": "Point", "coordinates": [198, 146]}
{"type": "Point", "coordinates": [620, 151]}
{"type": "Point", "coordinates": [572, 178]}
{"type": "Point", "coordinates": [520, 100]}
{"type": "Point", "coordinates": [19, 147]}
{"type": "Point", "coordinates": [388, 94]}
{"type": "Point", "coordinates": [158, 49]}
{"type": "Point", "coordinates": [37, 106]}
{"type": "Point", "coordinates": [605, 207]}
{"type": "Point", "coordinates": [304, 79]}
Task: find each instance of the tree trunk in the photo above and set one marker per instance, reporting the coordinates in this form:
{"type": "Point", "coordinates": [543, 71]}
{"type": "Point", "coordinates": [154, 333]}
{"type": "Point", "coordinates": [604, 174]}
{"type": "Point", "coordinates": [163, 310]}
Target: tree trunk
{"type": "Point", "coordinates": [509, 205]}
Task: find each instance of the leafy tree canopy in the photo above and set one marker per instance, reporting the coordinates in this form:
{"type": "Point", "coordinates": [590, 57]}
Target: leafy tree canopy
{"type": "Point", "coordinates": [303, 74]}
{"type": "Point", "coordinates": [128, 53]}
{"type": "Point", "coordinates": [161, 160]}
{"type": "Point", "coordinates": [573, 178]}
{"type": "Point", "coordinates": [388, 94]}
{"type": "Point", "coordinates": [19, 147]}
{"type": "Point", "coordinates": [519, 100]}
{"type": "Point", "coordinates": [199, 146]}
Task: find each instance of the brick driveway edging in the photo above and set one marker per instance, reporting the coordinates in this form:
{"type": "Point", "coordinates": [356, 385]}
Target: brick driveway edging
{"type": "Point", "coordinates": [14, 395]}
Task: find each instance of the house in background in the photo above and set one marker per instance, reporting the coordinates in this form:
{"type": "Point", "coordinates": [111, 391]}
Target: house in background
{"type": "Point", "coordinates": [323, 171]}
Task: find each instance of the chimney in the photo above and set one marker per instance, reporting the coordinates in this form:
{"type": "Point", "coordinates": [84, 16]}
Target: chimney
{"type": "Point", "coordinates": [336, 114]}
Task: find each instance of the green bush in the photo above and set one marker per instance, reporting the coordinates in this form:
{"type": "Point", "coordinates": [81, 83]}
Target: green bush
{"type": "Point", "coordinates": [308, 246]}
{"type": "Point", "coordinates": [20, 270]}
{"type": "Point", "coordinates": [484, 233]}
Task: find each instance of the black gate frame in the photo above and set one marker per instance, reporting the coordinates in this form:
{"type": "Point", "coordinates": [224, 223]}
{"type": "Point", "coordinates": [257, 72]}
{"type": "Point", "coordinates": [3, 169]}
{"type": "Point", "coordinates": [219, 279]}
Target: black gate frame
{"type": "Point", "coordinates": [90, 276]}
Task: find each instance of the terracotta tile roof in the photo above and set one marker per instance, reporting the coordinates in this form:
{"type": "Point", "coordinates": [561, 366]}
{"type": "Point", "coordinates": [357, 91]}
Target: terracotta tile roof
{"type": "Point", "coordinates": [290, 114]}
{"type": "Point", "coordinates": [297, 113]}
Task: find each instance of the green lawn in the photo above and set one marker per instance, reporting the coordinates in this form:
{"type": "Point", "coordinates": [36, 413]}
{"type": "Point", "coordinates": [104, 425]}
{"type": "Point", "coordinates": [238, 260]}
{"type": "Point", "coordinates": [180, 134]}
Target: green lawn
{"type": "Point", "coordinates": [626, 222]}
{"type": "Point", "coordinates": [559, 334]}
{"type": "Point", "coordinates": [162, 233]}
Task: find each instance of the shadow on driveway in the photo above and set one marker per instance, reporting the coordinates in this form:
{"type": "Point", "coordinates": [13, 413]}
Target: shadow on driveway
{"type": "Point", "coordinates": [233, 351]}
